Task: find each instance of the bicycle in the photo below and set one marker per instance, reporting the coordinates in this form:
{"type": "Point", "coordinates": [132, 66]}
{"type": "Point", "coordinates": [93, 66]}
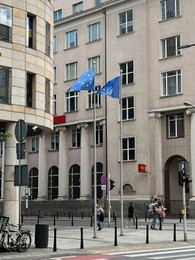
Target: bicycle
{"type": "Point", "coordinates": [12, 237]}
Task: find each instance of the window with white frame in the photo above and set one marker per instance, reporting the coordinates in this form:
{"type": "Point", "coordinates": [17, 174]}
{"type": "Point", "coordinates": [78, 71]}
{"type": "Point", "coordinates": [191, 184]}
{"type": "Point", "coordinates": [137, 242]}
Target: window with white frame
{"type": "Point", "coordinates": [76, 138]}
{"type": "Point", "coordinates": [127, 72]}
{"type": "Point", "coordinates": [126, 22]}
{"type": "Point", "coordinates": [5, 85]}
{"type": "Point", "coordinates": [55, 141]}
{"type": "Point", "coordinates": [71, 39]}
{"type": "Point", "coordinates": [54, 105]}
{"type": "Point", "coordinates": [99, 173]}
{"type": "Point", "coordinates": [78, 7]}
{"type": "Point", "coordinates": [55, 43]}
{"type": "Point", "coordinates": [175, 124]}
{"type": "Point", "coordinates": [53, 179]}
{"type": "Point", "coordinates": [57, 15]}
{"type": "Point", "coordinates": [170, 46]}
{"type": "Point", "coordinates": [35, 144]}
{"type": "Point", "coordinates": [94, 32]}
{"type": "Point", "coordinates": [71, 71]}
{"type": "Point", "coordinates": [72, 101]}
{"type": "Point", "coordinates": [33, 183]}
{"type": "Point", "coordinates": [128, 148]}
{"type": "Point", "coordinates": [74, 182]}
{"type": "Point", "coordinates": [94, 63]}
{"type": "Point", "coordinates": [99, 134]}
{"type": "Point", "coordinates": [171, 83]}
{"type": "Point", "coordinates": [5, 23]}
{"type": "Point", "coordinates": [128, 108]}
{"type": "Point", "coordinates": [98, 100]}
{"type": "Point", "coordinates": [169, 9]}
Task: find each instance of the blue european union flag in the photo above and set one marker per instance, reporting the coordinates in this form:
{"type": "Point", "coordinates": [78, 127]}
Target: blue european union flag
{"type": "Point", "coordinates": [85, 82]}
{"type": "Point", "coordinates": [111, 88]}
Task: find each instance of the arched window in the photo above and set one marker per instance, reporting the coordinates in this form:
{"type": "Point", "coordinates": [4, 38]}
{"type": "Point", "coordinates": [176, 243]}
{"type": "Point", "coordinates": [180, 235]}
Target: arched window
{"type": "Point", "coordinates": [33, 183]}
{"type": "Point", "coordinates": [99, 173]}
{"type": "Point", "coordinates": [53, 183]}
{"type": "Point", "coordinates": [128, 189]}
{"type": "Point", "coordinates": [74, 182]}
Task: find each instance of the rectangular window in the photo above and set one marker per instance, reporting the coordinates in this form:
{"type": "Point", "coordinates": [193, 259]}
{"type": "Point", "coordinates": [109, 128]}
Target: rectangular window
{"type": "Point", "coordinates": [55, 44]}
{"type": "Point", "coordinates": [175, 126]}
{"type": "Point", "coordinates": [54, 75]}
{"type": "Point", "coordinates": [169, 9]}
{"type": "Point", "coordinates": [91, 98]}
{"type": "Point", "coordinates": [71, 39]}
{"type": "Point", "coordinates": [126, 22]}
{"type": "Point", "coordinates": [5, 85]}
{"type": "Point", "coordinates": [72, 101]}
{"type": "Point", "coordinates": [47, 38]}
{"type": "Point", "coordinates": [94, 32]}
{"type": "Point", "coordinates": [170, 46]}
{"type": "Point", "coordinates": [127, 73]}
{"type": "Point", "coordinates": [128, 108]}
{"type": "Point", "coordinates": [5, 23]}
{"type": "Point", "coordinates": [76, 138]}
{"type": "Point", "coordinates": [99, 134]}
{"type": "Point", "coordinates": [54, 105]}
{"type": "Point", "coordinates": [30, 89]}
{"type": "Point", "coordinates": [94, 63]}
{"type": "Point", "coordinates": [55, 141]}
{"type": "Point", "coordinates": [57, 15]}
{"type": "Point", "coordinates": [47, 95]}
{"type": "Point", "coordinates": [35, 144]}
{"type": "Point", "coordinates": [71, 71]}
{"type": "Point", "coordinates": [98, 2]}
{"type": "Point", "coordinates": [171, 83]}
{"type": "Point", "coordinates": [30, 31]}
{"type": "Point", "coordinates": [1, 148]}
{"type": "Point", "coordinates": [128, 149]}
{"type": "Point", "coordinates": [77, 7]}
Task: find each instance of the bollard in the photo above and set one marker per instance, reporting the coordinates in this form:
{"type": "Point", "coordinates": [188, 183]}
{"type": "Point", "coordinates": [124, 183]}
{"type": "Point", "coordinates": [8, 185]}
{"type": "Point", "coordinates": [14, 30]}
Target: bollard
{"type": "Point", "coordinates": [72, 224]}
{"type": "Point", "coordinates": [57, 214]}
{"type": "Point", "coordinates": [54, 219]}
{"type": "Point", "coordinates": [145, 216]}
{"type": "Point", "coordinates": [113, 216]}
{"type": "Point", "coordinates": [69, 214]}
{"type": "Point", "coordinates": [82, 214]}
{"type": "Point", "coordinates": [147, 234]}
{"type": "Point", "coordinates": [180, 216]}
{"type": "Point", "coordinates": [174, 232]}
{"type": "Point", "coordinates": [91, 221]}
{"type": "Point", "coordinates": [160, 222]}
{"type": "Point", "coordinates": [115, 220]}
{"type": "Point", "coordinates": [115, 235]}
{"type": "Point", "coordinates": [38, 218]}
{"type": "Point", "coordinates": [136, 223]}
{"type": "Point", "coordinates": [54, 242]}
{"type": "Point", "coordinates": [81, 245]}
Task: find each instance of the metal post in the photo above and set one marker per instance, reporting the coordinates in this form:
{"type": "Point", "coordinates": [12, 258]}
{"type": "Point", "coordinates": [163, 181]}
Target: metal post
{"type": "Point", "coordinates": [174, 232]}
{"type": "Point", "coordinates": [109, 206]}
{"type": "Point", "coordinates": [184, 212]}
{"type": "Point", "coordinates": [115, 235]}
{"type": "Point", "coordinates": [54, 243]}
{"type": "Point", "coordinates": [147, 234]}
{"type": "Point", "coordinates": [81, 245]}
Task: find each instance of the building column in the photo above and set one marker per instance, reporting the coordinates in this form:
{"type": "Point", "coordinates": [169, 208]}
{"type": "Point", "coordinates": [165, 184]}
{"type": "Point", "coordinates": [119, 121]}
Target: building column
{"type": "Point", "coordinates": [192, 135]}
{"type": "Point", "coordinates": [11, 193]}
{"type": "Point", "coordinates": [85, 174]}
{"type": "Point", "coordinates": [63, 171]}
{"type": "Point", "coordinates": [43, 174]}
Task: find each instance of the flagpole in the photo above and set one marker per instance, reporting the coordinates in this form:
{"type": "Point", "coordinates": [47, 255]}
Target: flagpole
{"type": "Point", "coordinates": [121, 155]}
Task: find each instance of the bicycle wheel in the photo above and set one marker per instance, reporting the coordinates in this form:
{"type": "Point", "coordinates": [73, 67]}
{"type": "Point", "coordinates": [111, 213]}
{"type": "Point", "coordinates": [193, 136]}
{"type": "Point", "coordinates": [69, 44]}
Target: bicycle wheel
{"type": "Point", "coordinates": [23, 241]}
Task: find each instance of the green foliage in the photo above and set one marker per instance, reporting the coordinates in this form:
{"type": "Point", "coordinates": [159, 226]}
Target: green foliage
{"type": "Point", "coordinates": [5, 135]}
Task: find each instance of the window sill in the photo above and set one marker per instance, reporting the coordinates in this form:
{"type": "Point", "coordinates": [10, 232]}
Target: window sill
{"type": "Point", "coordinates": [53, 150]}
{"type": "Point", "coordinates": [171, 57]}
{"type": "Point", "coordinates": [97, 40]}
{"type": "Point", "coordinates": [172, 95]}
{"type": "Point", "coordinates": [125, 34]}
{"type": "Point", "coordinates": [171, 18]}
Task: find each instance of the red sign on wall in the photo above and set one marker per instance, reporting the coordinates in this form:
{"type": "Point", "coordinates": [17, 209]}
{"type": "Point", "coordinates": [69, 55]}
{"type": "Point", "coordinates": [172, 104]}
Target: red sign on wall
{"type": "Point", "coordinates": [141, 167]}
{"type": "Point", "coordinates": [59, 119]}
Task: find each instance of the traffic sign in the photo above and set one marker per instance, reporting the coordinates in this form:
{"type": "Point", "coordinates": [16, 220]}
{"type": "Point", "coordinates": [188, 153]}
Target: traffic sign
{"type": "Point", "coordinates": [103, 180]}
{"type": "Point", "coordinates": [21, 131]}
{"type": "Point", "coordinates": [103, 187]}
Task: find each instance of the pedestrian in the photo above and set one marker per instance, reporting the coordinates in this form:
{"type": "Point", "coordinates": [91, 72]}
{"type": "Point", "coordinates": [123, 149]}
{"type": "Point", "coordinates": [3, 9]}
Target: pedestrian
{"type": "Point", "coordinates": [152, 208]}
{"type": "Point", "coordinates": [100, 215]}
{"type": "Point", "coordinates": [131, 214]}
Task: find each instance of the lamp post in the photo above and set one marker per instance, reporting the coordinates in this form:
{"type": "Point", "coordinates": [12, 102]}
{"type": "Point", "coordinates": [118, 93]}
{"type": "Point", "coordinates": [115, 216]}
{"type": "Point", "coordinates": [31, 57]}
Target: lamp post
{"type": "Point", "coordinates": [185, 46]}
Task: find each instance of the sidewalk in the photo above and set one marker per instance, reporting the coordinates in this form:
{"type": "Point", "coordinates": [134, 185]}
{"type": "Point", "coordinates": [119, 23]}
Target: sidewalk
{"type": "Point", "coordinates": [68, 239]}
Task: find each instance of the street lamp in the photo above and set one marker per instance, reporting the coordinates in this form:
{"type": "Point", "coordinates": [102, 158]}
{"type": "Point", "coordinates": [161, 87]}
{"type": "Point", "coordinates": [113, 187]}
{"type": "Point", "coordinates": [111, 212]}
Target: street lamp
{"type": "Point", "coordinates": [186, 46]}
{"type": "Point", "coordinates": [188, 104]}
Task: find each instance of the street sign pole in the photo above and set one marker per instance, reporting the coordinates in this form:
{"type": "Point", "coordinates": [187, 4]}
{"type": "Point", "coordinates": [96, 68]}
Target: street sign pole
{"type": "Point", "coordinates": [184, 212]}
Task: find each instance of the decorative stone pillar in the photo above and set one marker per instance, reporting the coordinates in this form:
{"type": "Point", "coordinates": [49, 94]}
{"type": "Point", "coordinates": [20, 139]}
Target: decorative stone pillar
{"type": "Point", "coordinates": [63, 171]}
{"type": "Point", "coordinates": [43, 174]}
{"type": "Point", "coordinates": [192, 135]}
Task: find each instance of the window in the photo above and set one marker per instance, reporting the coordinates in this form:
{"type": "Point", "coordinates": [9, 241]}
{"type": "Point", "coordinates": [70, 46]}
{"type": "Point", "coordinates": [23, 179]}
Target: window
{"type": "Point", "coordinates": [94, 63]}
{"type": "Point", "coordinates": [98, 100]}
{"type": "Point", "coordinates": [175, 126]}
{"type": "Point", "coordinates": [72, 101]}
{"type": "Point", "coordinates": [74, 182]}
{"type": "Point", "coordinates": [57, 15]}
{"type": "Point", "coordinates": [170, 8]}
{"type": "Point", "coordinates": [55, 141]}
{"type": "Point", "coordinates": [47, 95]}
{"type": "Point", "coordinates": [77, 7]}
{"type": "Point", "coordinates": [30, 89]}
{"type": "Point", "coordinates": [94, 32]}
{"type": "Point", "coordinates": [5, 23]}
{"type": "Point", "coordinates": [128, 108]}
{"type": "Point", "coordinates": [33, 183]}
{"type": "Point", "coordinates": [54, 75]}
{"type": "Point", "coordinates": [71, 39]}
{"type": "Point", "coordinates": [99, 134]}
{"type": "Point", "coordinates": [99, 173]}
{"type": "Point", "coordinates": [71, 71]}
{"type": "Point", "coordinates": [1, 148]}
{"type": "Point", "coordinates": [170, 46]}
{"type": "Point", "coordinates": [128, 149]}
{"type": "Point", "coordinates": [127, 73]}
{"type": "Point", "coordinates": [35, 144]}
{"type": "Point", "coordinates": [55, 44]}
{"type": "Point", "coordinates": [76, 138]}
{"type": "Point", "coordinates": [47, 38]}
{"type": "Point", "coordinates": [5, 85]}
{"type": "Point", "coordinates": [54, 105]}
{"type": "Point", "coordinates": [30, 31]}
{"type": "Point", "coordinates": [171, 83]}
{"type": "Point", "coordinates": [98, 2]}
{"type": "Point", "coordinates": [126, 22]}
{"type": "Point", "coordinates": [53, 183]}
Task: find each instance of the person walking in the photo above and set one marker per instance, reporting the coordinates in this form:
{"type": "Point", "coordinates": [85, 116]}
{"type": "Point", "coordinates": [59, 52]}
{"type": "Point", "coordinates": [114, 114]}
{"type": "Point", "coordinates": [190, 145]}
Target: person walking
{"type": "Point", "coordinates": [131, 214]}
{"type": "Point", "coordinates": [100, 215]}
